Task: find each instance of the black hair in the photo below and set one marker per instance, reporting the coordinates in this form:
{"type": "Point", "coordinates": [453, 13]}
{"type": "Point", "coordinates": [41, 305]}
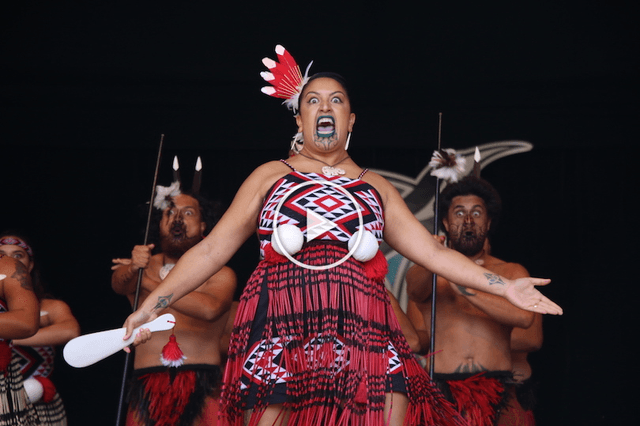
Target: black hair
{"type": "Point", "coordinates": [472, 185]}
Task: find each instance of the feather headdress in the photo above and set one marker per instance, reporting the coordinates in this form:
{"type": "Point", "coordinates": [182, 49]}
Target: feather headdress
{"type": "Point", "coordinates": [447, 164]}
{"type": "Point", "coordinates": [285, 78]}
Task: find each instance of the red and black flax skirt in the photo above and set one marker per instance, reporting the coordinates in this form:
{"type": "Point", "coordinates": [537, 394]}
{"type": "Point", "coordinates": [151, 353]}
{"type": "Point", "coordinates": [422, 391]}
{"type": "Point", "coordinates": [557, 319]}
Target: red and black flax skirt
{"type": "Point", "coordinates": [325, 344]}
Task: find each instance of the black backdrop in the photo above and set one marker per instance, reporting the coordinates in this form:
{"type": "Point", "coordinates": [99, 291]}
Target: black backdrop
{"type": "Point", "coordinates": [86, 91]}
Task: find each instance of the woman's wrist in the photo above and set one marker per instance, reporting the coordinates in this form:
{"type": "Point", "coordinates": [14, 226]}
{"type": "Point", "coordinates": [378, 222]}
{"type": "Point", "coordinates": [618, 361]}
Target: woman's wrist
{"type": "Point", "coordinates": [497, 284]}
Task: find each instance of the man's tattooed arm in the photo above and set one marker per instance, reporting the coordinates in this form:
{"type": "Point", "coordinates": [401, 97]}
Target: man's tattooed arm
{"type": "Point", "coordinates": [465, 291]}
{"type": "Point", "coordinates": [21, 275]}
{"type": "Point", "coordinates": [163, 302]}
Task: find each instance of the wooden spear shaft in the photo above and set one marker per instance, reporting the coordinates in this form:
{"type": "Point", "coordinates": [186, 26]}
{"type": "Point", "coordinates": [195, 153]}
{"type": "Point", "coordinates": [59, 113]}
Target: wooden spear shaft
{"type": "Point", "coordinates": [127, 359]}
{"type": "Point", "coordinates": [436, 219]}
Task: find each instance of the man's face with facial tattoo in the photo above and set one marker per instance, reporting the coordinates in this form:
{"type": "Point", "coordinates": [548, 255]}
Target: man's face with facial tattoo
{"type": "Point", "coordinates": [467, 224]}
{"type": "Point", "coordinates": [181, 226]}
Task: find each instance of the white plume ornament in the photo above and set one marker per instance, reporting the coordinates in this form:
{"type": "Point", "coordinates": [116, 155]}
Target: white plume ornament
{"type": "Point", "coordinates": [447, 164]}
{"type": "Point", "coordinates": [164, 194]}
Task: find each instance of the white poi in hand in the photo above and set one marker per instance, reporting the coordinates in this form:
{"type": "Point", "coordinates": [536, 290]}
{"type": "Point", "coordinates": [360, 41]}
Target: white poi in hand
{"type": "Point", "coordinates": [90, 348]}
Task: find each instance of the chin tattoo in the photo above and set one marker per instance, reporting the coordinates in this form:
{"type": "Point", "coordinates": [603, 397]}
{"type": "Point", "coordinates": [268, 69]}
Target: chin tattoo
{"type": "Point", "coordinates": [325, 142]}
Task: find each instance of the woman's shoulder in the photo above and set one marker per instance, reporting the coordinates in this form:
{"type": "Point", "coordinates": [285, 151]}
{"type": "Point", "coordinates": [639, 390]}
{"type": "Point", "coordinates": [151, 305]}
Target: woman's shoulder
{"type": "Point", "coordinates": [265, 175]}
{"type": "Point", "coordinates": [10, 266]}
{"type": "Point", "coordinates": [275, 167]}
{"type": "Point", "coordinates": [382, 185]}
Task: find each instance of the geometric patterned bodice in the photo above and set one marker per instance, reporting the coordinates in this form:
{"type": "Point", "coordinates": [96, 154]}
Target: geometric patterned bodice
{"type": "Point", "coordinates": [325, 200]}
{"type": "Point", "coordinates": [35, 360]}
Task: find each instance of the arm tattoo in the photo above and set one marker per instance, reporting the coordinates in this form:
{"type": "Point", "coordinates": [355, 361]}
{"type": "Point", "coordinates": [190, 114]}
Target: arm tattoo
{"type": "Point", "coordinates": [464, 291]}
{"type": "Point", "coordinates": [22, 276]}
{"type": "Point", "coordinates": [494, 279]}
{"type": "Point", "coordinates": [163, 302]}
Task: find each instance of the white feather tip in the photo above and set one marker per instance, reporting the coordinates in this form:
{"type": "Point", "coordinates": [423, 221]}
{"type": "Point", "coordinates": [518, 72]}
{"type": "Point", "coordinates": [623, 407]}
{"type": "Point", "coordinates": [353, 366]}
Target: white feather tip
{"type": "Point", "coordinates": [446, 164]}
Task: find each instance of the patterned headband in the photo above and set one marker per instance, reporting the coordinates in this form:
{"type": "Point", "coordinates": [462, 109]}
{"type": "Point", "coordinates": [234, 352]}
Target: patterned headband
{"type": "Point", "coordinates": [12, 241]}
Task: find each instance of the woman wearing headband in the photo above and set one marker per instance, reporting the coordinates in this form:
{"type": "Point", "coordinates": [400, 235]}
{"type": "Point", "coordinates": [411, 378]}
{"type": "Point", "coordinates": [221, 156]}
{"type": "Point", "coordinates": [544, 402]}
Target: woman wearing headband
{"type": "Point", "coordinates": [315, 340]}
{"type": "Point", "coordinates": [57, 327]}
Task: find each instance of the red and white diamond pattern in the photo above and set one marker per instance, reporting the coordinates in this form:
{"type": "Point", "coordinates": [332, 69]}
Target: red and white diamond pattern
{"type": "Point", "coordinates": [265, 364]}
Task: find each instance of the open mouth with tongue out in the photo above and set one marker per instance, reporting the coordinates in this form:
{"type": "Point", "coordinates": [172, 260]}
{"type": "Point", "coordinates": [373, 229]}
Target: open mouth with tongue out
{"type": "Point", "coordinates": [325, 126]}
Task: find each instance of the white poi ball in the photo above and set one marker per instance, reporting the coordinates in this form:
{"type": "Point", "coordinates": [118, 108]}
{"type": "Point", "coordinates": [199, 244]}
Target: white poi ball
{"type": "Point", "coordinates": [34, 389]}
{"type": "Point", "coordinates": [290, 237]}
{"type": "Point", "coordinates": [367, 248]}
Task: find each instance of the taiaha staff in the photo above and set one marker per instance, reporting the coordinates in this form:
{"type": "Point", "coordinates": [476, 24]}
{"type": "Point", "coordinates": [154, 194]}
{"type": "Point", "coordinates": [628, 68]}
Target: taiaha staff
{"type": "Point", "coordinates": [449, 166]}
{"type": "Point", "coordinates": [127, 359]}
{"type": "Point", "coordinates": [434, 278]}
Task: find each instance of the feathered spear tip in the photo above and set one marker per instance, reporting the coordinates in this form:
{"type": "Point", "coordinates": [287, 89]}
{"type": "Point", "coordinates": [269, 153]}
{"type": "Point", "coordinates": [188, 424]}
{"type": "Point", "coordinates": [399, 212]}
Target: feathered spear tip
{"type": "Point", "coordinates": [164, 194]}
{"type": "Point", "coordinates": [285, 78]}
{"type": "Point", "coordinates": [447, 165]}
{"type": "Point", "coordinates": [476, 163]}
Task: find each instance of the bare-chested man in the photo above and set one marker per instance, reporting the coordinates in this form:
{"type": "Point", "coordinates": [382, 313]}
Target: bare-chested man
{"type": "Point", "coordinates": [200, 321]}
{"type": "Point", "coordinates": [473, 329]}
{"type": "Point", "coordinates": [19, 314]}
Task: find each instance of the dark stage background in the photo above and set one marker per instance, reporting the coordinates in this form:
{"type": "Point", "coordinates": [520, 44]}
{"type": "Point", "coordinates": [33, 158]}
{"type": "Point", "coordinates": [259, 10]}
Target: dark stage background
{"type": "Point", "coordinates": [86, 91]}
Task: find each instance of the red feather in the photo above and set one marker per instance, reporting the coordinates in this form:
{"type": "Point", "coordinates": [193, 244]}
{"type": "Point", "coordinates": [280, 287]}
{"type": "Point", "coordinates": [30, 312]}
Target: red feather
{"type": "Point", "coordinates": [48, 389]}
{"type": "Point", "coordinates": [172, 354]}
{"type": "Point", "coordinates": [5, 355]}
{"type": "Point", "coordinates": [284, 76]}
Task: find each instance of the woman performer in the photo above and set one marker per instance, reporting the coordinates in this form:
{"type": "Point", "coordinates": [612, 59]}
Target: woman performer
{"type": "Point", "coordinates": [57, 327]}
{"type": "Point", "coordinates": [18, 320]}
{"type": "Point", "coordinates": [315, 340]}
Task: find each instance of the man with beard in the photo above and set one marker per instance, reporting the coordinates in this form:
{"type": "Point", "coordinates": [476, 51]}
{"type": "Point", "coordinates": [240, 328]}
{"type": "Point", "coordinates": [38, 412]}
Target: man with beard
{"type": "Point", "coordinates": [169, 387]}
{"type": "Point", "coordinates": [473, 329]}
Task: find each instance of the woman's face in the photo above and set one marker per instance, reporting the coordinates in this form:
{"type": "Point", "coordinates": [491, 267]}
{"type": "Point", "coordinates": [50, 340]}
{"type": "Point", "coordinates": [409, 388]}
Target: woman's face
{"type": "Point", "coordinates": [325, 117]}
{"type": "Point", "coordinates": [17, 253]}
